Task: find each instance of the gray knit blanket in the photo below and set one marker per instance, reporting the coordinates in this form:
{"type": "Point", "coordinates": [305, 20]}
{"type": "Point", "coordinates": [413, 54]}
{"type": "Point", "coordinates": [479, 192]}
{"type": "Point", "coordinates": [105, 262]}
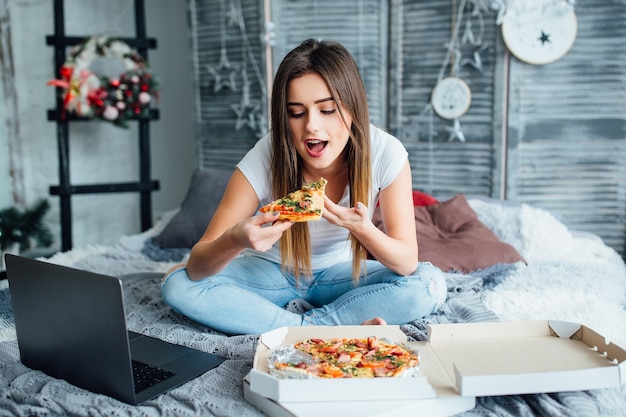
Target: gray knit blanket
{"type": "Point", "coordinates": [568, 276]}
{"type": "Point", "coordinates": [25, 392]}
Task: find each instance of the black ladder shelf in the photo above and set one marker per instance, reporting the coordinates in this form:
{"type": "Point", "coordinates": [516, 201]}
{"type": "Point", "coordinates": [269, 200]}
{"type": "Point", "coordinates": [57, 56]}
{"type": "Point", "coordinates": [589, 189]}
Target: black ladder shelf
{"type": "Point", "coordinates": [145, 186]}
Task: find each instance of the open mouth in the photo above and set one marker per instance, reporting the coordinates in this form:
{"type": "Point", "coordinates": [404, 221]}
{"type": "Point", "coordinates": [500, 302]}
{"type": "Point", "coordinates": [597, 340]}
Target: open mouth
{"type": "Point", "coordinates": [316, 146]}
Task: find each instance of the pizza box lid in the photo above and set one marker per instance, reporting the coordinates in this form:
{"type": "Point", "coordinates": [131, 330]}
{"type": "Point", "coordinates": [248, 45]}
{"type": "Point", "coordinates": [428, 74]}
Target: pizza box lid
{"type": "Point", "coordinates": [322, 389]}
{"type": "Point", "coordinates": [486, 359]}
{"type": "Point", "coordinates": [458, 363]}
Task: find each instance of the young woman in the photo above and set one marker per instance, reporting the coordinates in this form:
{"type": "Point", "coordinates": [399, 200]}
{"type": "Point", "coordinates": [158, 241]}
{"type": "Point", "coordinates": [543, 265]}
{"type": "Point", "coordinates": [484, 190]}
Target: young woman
{"type": "Point", "coordinates": [248, 267]}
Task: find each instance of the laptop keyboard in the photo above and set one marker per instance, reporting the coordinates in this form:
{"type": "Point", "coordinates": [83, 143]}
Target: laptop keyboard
{"type": "Point", "coordinates": [146, 375]}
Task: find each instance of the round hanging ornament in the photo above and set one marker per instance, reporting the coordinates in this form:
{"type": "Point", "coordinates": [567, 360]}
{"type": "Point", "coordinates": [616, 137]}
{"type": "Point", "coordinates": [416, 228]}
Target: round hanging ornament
{"type": "Point", "coordinates": [539, 31]}
{"type": "Point", "coordinates": [123, 93]}
{"type": "Point", "coordinates": [451, 98]}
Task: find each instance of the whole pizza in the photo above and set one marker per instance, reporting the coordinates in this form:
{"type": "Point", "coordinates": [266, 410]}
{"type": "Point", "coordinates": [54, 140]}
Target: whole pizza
{"type": "Point", "coordinates": [345, 358]}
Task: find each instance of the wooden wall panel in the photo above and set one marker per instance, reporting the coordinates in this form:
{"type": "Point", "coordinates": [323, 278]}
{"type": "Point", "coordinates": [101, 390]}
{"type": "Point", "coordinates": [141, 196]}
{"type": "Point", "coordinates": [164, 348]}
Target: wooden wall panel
{"type": "Point", "coordinates": [567, 127]}
{"type": "Point", "coordinates": [443, 164]}
{"type": "Point", "coordinates": [229, 78]}
{"type": "Point", "coordinates": [552, 135]}
{"type": "Point", "coordinates": [360, 25]}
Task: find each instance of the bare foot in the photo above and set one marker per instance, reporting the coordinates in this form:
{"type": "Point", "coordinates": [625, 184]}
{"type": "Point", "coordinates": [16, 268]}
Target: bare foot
{"type": "Point", "coordinates": [376, 321]}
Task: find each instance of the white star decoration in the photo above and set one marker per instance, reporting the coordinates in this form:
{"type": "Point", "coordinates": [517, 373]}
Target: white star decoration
{"type": "Point", "coordinates": [232, 15]}
{"type": "Point", "coordinates": [246, 111]}
{"type": "Point", "coordinates": [223, 74]}
{"type": "Point", "coordinates": [476, 61]}
{"type": "Point", "coordinates": [455, 131]}
{"type": "Point", "coordinates": [246, 114]}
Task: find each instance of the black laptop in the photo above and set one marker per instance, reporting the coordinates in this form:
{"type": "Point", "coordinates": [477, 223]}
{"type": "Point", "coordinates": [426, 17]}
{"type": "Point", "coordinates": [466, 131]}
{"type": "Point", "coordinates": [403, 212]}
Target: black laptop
{"type": "Point", "coordinates": [71, 324]}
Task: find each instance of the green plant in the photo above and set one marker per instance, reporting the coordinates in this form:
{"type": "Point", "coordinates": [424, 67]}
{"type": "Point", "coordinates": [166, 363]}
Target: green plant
{"type": "Point", "coordinates": [24, 227]}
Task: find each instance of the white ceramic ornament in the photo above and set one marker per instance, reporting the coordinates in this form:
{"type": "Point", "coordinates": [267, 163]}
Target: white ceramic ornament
{"type": "Point", "coordinates": [451, 98]}
{"type": "Point", "coordinates": [539, 31]}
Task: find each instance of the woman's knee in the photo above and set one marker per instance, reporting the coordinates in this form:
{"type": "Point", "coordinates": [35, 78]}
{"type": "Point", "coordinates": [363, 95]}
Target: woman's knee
{"type": "Point", "coordinates": [432, 291]}
{"type": "Point", "coordinates": [437, 286]}
{"type": "Point", "coordinates": [174, 286]}
{"type": "Point", "coordinates": [174, 269]}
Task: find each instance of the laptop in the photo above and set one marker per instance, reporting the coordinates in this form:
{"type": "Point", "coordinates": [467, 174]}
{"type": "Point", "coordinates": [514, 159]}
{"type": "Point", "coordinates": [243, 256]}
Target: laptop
{"type": "Point", "coordinates": [71, 324]}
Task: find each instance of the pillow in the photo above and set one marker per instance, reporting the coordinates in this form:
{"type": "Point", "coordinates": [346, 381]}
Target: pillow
{"type": "Point", "coordinates": [451, 237]}
{"type": "Point", "coordinates": [203, 196]}
{"type": "Point", "coordinates": [423, 199]}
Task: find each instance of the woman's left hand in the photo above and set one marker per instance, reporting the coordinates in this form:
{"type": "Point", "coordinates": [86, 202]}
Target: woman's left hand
{"type": "Point", "coordinates": [353, 218]}
{"type": "Point", "coordinates": [396, 246]}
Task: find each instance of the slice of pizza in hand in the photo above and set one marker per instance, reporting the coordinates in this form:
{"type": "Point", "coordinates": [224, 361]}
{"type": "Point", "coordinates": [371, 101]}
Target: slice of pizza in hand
{"type": "Point", "coordinates": [303, 205]}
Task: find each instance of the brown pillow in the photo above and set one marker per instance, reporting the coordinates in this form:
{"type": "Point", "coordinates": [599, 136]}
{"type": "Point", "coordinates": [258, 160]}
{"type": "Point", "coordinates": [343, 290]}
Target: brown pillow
{"type": "Point", "coordinates": [451, 237]}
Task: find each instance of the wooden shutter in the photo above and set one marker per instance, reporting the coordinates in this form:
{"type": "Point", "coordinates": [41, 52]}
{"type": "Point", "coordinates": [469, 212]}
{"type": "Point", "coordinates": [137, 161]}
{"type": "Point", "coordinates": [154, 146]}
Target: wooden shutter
{"type": "Point", "coordinates": [567, 127]}
{"type": "Point", "coordinates": [420, 34]}
{"type": "Point", "coordinates": [553, 135]}
{"type": "Point", "coordinates": [234, 28]}
{"type": "Point", "coordinates": [360, 25]}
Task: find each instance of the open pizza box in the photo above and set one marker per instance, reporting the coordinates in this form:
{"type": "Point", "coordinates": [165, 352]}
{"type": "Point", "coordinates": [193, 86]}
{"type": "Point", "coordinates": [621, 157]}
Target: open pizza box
{"type": "Point", "coordinates": [324, 389]}
{"type": "Point", "coordinates": [458, 363]}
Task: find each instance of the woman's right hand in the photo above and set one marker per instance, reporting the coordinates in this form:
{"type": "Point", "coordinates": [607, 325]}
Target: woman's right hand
{"type": "Point", "coordinates": [259, 232]}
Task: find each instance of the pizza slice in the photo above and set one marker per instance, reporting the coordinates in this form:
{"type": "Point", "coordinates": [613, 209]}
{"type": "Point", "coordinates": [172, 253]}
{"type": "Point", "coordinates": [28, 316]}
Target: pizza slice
{"type": "Point", "coordinates": [303, 205]}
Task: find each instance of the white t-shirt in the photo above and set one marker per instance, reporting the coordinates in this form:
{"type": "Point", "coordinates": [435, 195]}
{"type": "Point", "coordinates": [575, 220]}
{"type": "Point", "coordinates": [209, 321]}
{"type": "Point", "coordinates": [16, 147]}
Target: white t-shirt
{"type": "Point", "coordinates": [329, 243]}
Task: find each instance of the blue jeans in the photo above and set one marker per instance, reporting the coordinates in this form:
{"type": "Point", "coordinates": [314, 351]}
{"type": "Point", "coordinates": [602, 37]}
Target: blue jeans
{"type": "Point", "coordinates": [249, 296]}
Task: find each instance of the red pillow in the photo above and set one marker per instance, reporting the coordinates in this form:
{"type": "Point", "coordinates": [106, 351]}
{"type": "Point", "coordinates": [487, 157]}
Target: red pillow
{"type": "Point", "coordinates": [421, 199]}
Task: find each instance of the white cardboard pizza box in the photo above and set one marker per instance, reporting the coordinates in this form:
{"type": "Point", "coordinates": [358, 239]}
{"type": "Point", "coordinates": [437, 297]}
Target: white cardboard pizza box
{"type": "Point", "coordinates": [485, 359]}
{"type": "Point", "coordinates": [460, 362]}
{"type": "Point", "coordinates": [320, 389]}
{"type": "Point", "coordinates": [431, 407]}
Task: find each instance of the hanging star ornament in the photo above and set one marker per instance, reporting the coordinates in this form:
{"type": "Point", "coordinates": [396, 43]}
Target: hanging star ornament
{"type": "Point", "coordinates": [476, 61]}
{"type": "Point", "coordinates": [233, 16]}
{"type": "Point", "coordinates": [246, 110]}
{"type": "Point", "coordinates": [247, 114]}
{"type": "Point", "coordinates": [539, 32]}
{"type": "Point", "coordinates": [455, 131]}
{"type": "Point", "coordinates": [224, 74]}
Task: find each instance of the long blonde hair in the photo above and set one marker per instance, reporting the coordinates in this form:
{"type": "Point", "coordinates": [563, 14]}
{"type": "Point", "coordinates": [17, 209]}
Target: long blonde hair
{"type": "Point", "coordinates": [334, 63]}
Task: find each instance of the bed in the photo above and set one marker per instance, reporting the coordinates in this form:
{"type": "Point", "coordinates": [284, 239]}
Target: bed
{"type": "Point", "coordinates": [503, 262]}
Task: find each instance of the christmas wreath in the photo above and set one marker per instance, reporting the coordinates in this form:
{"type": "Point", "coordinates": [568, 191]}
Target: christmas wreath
{"type": "Point", "coordinates": [113, 99]}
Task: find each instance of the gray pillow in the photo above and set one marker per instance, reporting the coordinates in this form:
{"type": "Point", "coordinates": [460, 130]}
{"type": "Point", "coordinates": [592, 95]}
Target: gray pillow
{"type": "Point", "coordinates": [203, 196]}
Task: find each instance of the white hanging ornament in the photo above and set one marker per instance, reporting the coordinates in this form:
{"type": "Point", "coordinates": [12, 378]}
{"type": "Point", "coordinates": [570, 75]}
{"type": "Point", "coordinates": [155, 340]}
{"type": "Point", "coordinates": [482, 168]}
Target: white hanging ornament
{"type": "Point", "coordinates": [451, 98]}
{"type": "Point", "coordinates": [247, 110]}
{"type": "Point", "coordinates": [456, 132]}
{"type": "Point", "coordinates": [539, 31]}
{"type": "Point", "coordinates": [223, 74]}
